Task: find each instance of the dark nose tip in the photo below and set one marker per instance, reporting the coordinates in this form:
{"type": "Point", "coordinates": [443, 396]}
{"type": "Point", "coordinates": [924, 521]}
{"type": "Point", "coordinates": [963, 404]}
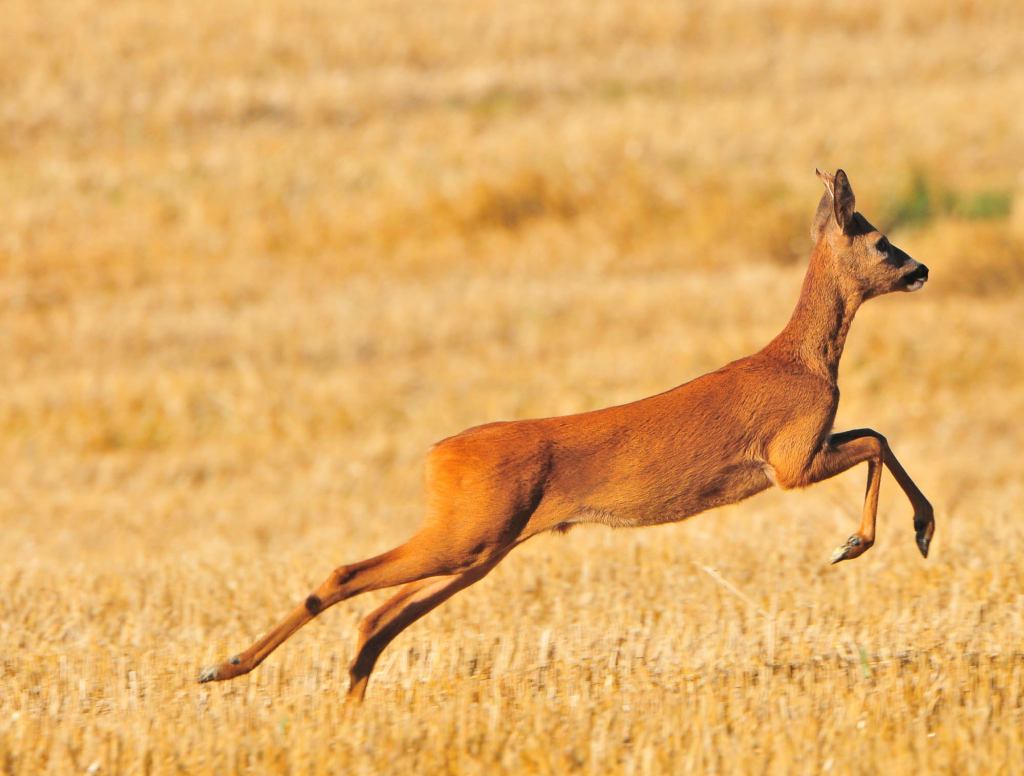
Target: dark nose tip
{"type": "Point", "coordinates": [922, 272]}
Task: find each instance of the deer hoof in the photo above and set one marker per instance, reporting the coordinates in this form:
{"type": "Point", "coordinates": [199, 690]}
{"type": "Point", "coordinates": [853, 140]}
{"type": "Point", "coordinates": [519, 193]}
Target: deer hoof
{"type": "Point", "coordinates": [924, 538]}
{"type": "Point", "coordinates": [854, 546]}
{"type": "Point", "coordinates": [209, 674]}
{"type": "Point", "coordinates": [222, 671]}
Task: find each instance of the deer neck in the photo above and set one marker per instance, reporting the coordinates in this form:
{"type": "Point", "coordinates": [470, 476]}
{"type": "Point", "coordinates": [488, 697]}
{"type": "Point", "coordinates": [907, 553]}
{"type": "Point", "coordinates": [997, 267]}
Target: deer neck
{"type": "Point", "coordinates": [816, 332]}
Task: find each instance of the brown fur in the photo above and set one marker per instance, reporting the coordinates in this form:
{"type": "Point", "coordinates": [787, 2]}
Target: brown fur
{"type": "Point", "coordinates": [715, 440]}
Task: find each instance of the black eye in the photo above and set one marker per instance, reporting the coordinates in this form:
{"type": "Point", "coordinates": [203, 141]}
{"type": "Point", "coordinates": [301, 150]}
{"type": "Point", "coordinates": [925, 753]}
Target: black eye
{"type": "Point", "coordinates": [882, 246]}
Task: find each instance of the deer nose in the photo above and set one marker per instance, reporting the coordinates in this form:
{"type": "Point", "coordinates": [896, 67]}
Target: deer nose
{"type": "Point", "coordinates": [920, 272]}
{"type": "Point", "coordinates": [916, 278]}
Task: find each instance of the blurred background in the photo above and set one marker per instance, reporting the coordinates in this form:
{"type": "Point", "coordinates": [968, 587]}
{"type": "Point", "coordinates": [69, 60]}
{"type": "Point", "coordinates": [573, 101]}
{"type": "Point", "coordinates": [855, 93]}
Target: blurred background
{"type": "Point", "coordinates": [256, 257]}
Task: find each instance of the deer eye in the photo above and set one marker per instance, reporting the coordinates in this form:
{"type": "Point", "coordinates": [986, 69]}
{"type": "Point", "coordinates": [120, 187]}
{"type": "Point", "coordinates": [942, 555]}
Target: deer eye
{"type": "Point", "coordinates": [883, 246]}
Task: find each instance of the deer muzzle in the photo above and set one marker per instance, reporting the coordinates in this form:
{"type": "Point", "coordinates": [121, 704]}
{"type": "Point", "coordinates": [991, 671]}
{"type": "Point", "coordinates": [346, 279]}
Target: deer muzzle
{"type": "Point", "coordinates": [916, 278]}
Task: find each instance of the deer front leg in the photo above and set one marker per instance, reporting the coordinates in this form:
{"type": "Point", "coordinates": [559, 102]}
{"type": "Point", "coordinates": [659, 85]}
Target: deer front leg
{"type": "Point", "coordinates": [845, 450]}
{"type": "Point", "coordinates": [840, 453]}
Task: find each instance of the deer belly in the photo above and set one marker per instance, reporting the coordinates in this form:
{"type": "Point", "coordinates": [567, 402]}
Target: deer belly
{"type": "Point", "coordinates": [639, 503]}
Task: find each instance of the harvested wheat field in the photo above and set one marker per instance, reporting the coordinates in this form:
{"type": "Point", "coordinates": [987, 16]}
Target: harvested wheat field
{"type": "Point", "coordinates": [256, 258]}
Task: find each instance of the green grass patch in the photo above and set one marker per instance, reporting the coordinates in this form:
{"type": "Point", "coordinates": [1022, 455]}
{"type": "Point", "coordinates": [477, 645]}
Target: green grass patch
{"type": "Point", "coordinates": [924, 199]}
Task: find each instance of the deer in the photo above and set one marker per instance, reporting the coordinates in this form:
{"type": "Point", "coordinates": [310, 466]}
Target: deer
{"type": "Point", "coordinates": [763, 420]}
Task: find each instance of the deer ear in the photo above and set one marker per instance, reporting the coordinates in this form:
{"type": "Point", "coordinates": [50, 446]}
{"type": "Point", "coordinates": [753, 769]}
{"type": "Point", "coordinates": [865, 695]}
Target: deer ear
{"type": "Point", "coordinates": [843, 201]}
{"type": "Point", "coordinates": [828, 180]}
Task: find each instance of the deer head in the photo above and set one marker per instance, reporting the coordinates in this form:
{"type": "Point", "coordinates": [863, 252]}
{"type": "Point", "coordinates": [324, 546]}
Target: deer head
{"type": "Point", "coordinates": [863, 259]}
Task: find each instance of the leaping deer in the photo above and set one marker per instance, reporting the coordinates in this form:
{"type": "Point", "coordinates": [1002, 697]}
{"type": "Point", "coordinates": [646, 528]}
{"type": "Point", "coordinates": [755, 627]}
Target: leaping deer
{"type": "Point", "coordinates": [762, 420]}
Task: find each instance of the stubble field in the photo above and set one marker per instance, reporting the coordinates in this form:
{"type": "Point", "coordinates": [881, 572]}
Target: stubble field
{"type": "Point", "coordinates": [255, 259]}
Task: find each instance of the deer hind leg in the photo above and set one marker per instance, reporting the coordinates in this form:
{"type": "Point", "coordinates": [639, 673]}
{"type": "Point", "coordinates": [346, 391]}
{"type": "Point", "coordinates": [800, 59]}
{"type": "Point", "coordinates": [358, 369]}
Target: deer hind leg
{"type": "Point", "coordinates": [415, 600]}
{"type": "Point", "coordinates": [430, 553]}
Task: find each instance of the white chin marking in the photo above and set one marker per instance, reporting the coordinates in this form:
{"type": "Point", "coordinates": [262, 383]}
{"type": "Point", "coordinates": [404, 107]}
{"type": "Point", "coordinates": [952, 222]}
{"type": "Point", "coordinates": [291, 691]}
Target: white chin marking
{"type": "Point", "coordinates": [916, 285]}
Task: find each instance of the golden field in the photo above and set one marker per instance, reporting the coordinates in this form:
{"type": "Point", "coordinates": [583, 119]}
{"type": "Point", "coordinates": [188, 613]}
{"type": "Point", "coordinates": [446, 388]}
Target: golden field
{"type": "Point", "coordinates": [256, 258]}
